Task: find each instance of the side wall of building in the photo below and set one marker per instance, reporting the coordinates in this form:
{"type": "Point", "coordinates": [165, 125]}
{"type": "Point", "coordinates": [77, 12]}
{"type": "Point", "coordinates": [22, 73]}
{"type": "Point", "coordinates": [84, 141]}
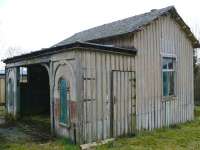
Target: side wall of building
{"type": "Point", "coordinates": [97, 92]}
{"type": "Point", "coordinates": [162, 37]}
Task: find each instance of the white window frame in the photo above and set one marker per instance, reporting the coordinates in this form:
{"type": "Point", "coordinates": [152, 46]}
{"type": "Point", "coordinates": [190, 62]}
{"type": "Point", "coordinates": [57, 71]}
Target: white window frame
{"type": "Point", "coordinates": [172, 56]}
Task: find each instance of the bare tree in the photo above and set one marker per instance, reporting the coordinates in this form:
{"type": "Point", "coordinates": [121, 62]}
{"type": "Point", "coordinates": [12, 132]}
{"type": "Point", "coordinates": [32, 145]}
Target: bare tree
{"type": "Point", "coordinates": [13, 51]}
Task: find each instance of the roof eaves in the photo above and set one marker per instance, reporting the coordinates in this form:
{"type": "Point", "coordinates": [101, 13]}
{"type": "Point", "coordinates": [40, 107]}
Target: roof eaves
{"type": "Point", "coordinates": [185, 28]}
{"type": "Point", "coordinates": [77, 44]}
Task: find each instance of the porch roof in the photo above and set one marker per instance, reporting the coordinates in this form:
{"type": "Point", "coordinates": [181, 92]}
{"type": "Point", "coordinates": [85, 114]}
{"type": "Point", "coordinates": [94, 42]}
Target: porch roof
{"type": "Point", "coordinates": [77, 44]}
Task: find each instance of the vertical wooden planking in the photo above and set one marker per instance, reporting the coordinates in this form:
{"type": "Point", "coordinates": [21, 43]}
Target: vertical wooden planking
{"type": "Point", "coordinates": [151, 112]}
{"type": "Point", "coordinates": [177, 79]}
{"type": "Point", "coordinates": [147, 76]}
{"type": "Point", "coordinates": [138, 84]}
{"type": "Point", "coordinates": [162, 104]}
{"type": "Point", "coordinates": [157, 73]}
{"type": "Point", "coordinates": [101, 67]}
{"type": "Point", "coordinates": [159, 36]}
{"type": "Point", "coordinates": [141, 78]}
{"type": "Point", "coordinates": [96, 97]}
{"type": "Point", "coordinates": [117, 100]}
{"type": "Point", "coordinates": [108, 92]}
{"type": "Point", "coordinates": [93, 93]}
{"type": "Point", "coordinates": [121, 96]}
{"type": "Point", "coordinates": [114, 130]}
{"type": "Point", "coordinates": [146, 81]}
{"type": "Point", "coordinates": [84, 95]}
{"type": "Point", "coordinates": [133, 103]}
{"type": "Point", "coordinates": [81, 102]}
{"type": "Point", "coordinates": [125, 95]}
{"type": "Point", "coordinates": [142, 82]}
{"type": "Point", "coordinates": [99, 98]}
{"type": "Point", "coordinates": [182, 78]}
{"type": "Point", "coordinates": [89, 94]}
{"type": "Point", "coordinates": [104, 92]}
{"type": "Point", "coordinates": [185, 78]}
{"type": "Point", "coordinates": [180, 81]}
{"type": "Point", "coordinates": [151, 78]}
{"type": "Point", "coordinates": [187, 88]}
{"type": "Point", "coordinates": [129, 104]}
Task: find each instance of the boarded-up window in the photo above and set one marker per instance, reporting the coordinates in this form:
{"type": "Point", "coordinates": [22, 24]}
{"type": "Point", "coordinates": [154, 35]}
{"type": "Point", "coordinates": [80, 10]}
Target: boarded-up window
{"type": "Point", "coordinates": [64, 102]}
{"type": "Point", "coordinates": [168, 72]}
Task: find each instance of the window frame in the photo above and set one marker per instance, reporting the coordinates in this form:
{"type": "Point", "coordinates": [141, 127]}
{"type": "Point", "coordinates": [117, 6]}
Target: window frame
{"type": "Point", "coordinates": [67, 123]}
{"type": "Point", "coordinates": [174, 70]}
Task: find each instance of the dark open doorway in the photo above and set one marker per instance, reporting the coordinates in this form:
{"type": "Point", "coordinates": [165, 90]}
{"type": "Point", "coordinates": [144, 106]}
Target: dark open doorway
{"type": "Point", "coordinates": [35, 93]}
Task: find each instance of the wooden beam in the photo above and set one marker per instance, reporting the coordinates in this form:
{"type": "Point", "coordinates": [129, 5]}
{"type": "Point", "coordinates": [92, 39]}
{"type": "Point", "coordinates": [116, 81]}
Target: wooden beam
{"type": "Point", "coordinates": [95, 144]}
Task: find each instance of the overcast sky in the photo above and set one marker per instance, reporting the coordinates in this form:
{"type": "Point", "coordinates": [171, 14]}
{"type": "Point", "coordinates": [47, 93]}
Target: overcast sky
{"type": "Point", "coordinates": [34, 24]}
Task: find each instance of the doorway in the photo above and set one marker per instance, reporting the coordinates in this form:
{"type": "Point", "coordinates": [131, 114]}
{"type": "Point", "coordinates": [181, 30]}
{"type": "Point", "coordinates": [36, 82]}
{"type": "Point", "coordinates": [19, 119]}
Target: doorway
{"type": "Point", "coordinates": [123, 103]}
{"type": "Point", "coordinates": [35, 95]}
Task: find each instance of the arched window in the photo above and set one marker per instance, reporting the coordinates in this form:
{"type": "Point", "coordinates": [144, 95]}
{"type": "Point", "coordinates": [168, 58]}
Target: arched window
{"type": "Point", "coordinates": [64, 101]}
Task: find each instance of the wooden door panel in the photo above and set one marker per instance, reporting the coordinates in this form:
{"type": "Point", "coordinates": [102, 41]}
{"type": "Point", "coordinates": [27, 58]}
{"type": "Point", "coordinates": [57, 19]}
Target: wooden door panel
{"type": "Point", "coordinates": [123, 105]}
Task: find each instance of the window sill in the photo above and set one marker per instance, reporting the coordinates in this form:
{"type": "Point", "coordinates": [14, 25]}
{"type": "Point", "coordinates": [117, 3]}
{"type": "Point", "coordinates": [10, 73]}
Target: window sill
{"type": "Point", "coordinates": [169, 98]}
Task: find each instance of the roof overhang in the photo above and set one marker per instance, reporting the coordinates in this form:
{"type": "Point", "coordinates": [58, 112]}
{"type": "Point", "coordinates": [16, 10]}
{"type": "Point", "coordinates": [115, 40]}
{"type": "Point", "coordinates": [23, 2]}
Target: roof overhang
{"type": "Point", "coordinates": [77, 44]}
{"type": "Point", "coordinates": [185, 27]}
{"type": "Point", "coordinates": [173, 12]}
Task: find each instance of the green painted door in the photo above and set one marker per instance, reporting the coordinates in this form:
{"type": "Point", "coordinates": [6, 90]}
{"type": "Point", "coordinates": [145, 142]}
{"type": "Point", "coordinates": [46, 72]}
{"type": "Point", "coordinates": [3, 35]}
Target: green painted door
{"type": "Point", "coordinates": [64, 108]}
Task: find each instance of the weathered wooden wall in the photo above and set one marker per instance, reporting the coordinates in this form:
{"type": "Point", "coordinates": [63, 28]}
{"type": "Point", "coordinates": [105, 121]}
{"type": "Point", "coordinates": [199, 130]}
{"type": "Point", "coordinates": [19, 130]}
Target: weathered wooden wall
{"type": "Point", "coordinates": [90, 74]}
{"type": "Point", "coordinates": [12, 91]}
{"type": "Point", "coordinates": [2, 88]}
{"type": "Point", "coordinates": [160, 38]}
{"type": "Point", "coordinates": [97, 70]}
{"type": "Point", "coordinates": [64, 66]}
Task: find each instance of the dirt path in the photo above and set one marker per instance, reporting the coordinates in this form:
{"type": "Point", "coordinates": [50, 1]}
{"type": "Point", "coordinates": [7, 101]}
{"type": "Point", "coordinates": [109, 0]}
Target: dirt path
{"type": "Point", "coordinates": [23, 133]}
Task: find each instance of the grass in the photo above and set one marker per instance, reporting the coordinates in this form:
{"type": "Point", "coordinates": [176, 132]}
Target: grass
{"type": "Point", "coordinates": [31, 133]}
{"type": "Point", "coordinates": [2, 110]}
{"type": "Point", "coordinates": [58, 144]}
{"type": "Point", "coordinates": [177, 137]}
